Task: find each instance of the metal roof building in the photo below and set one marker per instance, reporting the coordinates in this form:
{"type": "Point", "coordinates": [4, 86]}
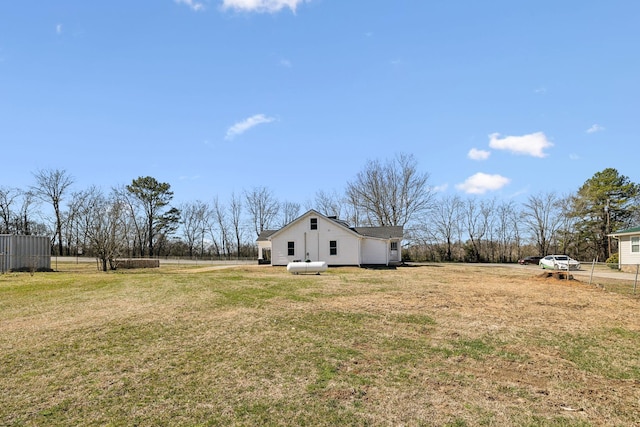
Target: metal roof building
{"type": "Point", "coordinates": [31, 253]}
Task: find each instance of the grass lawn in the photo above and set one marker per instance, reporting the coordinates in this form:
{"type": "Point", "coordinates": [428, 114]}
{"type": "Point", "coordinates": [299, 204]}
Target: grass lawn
{"type": "Point", "coordinates": [441, 345]}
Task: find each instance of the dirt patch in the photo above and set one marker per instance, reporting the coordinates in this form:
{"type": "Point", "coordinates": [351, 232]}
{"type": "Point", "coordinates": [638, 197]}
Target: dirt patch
{"type": "Point", "coordinates": [556, 275]}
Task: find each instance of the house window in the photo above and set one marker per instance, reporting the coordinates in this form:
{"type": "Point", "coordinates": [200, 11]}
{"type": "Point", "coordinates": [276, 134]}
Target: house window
{"type": "Point", "coordinates": [314, 223]}
{"type": "Point", "coordinates": [635, 244]}
{"type": "Point", "coordinates": [394, 246]}
{"type": "Point", "coordinates": [291, 248]}
{"type": "Point", "coordinates": [333, 247]}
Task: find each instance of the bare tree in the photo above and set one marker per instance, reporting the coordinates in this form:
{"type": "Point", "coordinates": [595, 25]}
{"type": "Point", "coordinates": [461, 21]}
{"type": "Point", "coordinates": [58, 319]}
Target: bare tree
{"type": "Point", "coordinates": [102, 220]}
{"type": "Point", "coordinates": [542, 216]}
{"type": "Point", "coordinates": [488, 213]}
{"type": "Point", "coordinates": [391, 193]}
{"type": "Point", "coordinates": [235, 213]}
{"type": "Point", "coordinates": [506, 230]}
{"type": "Point", "coordinates": [23, 222]}
{"type": "Point", "coordinates": [71, 217]}
{"type": "Point", "coordinates": [569, 240]}
{"type": "Point", "coordinates": [7, 198]}
{"type": "Point", "coordinates": [262, 207]}
{"type": "Point", "coordinates": [290, 211]}
{"type": "Point", "coordinates": [51, 187]}
{"type": "Point", "coordinates": [445, 222]}
{"type": "Point", "coordinates": [195, 217]}
{"type": "Point", "coordinates": [329, 204]}
{"type": "Point", "coordinates": [220, 217]}
{"type": "Point", "coordinates": [475, 219]}
{"type": "Point", "coordinates": [135, 229]}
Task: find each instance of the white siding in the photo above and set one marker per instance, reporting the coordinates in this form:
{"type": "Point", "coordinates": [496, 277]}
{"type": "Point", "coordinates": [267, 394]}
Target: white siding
{"type": "Point", "coordinates": [314, 244]}
{"type": "Point", "coordinates": [626, 256]}
{"type": "Point", "coordinates": [374, 251]}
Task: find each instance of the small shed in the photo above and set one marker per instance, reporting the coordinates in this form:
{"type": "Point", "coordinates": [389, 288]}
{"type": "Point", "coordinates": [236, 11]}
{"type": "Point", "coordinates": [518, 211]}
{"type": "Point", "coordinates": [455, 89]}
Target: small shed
{"type": "Point", "coordinates": [31, 253]}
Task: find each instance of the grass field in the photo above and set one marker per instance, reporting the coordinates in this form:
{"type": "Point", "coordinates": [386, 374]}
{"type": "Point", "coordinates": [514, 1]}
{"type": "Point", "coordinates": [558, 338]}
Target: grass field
{"type": "Point", "coordinates": [441, 345]}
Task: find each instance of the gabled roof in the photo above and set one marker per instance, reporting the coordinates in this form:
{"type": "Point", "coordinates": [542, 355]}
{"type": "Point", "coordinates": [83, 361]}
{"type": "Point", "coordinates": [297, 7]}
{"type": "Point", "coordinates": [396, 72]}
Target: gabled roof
{"type": "Point", "coordinates": [313, 212]}
{"type": "Point", "coordinates": [634, 230]}
{"type": "Point", "coordinates": [386, 232]}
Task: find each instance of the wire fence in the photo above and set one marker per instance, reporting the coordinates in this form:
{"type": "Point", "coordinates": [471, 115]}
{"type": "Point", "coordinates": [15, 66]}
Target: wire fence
{"type": "Point", "coordinates": [618, 278]}
{"type": "Point", "coordinates": [61, 263]}
{"type": "Point", "coordinates": [622, 280]}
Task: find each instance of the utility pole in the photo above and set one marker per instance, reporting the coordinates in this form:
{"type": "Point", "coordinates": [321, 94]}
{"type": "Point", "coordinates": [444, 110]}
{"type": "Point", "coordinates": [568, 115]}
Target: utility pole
{"type": "Point", "coordinates": [608, 213]}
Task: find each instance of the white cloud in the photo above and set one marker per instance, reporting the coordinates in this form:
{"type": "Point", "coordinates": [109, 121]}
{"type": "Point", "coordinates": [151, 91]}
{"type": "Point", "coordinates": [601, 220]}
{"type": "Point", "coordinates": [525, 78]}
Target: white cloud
{"type": "Point", "coordinates": [532, 144]}
{"type": "Point", "coordinates": [595, 128]}
{"type": "Point", "coordinates": [480, 183]}
{"type": "Point", "coordinates": [193, 5]}
{"type": "Point", "coordinates": [261, 6]}
{"type": "Point", "coordinates": [59, 29]}
{"type": "Point", "coordinates": [440, 188]}
{"type": "Point", "coordinates": [286, 63]}
{"type": "Point", "coordinates": [475, 154]}
{"type": "Point", "coordinates": [243, 126]}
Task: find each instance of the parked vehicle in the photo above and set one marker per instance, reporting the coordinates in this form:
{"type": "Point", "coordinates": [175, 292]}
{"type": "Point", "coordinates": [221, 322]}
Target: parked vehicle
{"type": "Point", "coordinates": [530, 260]}
{"type": "Point", "coordinates": [559, 262]}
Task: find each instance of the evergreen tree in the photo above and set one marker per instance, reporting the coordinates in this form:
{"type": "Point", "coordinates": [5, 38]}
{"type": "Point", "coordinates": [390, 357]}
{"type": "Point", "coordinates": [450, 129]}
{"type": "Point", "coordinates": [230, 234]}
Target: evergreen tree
{"type": "Point", "coordinates": [154, 197]}
{"type": "Point", "coordinates": [602, 205]}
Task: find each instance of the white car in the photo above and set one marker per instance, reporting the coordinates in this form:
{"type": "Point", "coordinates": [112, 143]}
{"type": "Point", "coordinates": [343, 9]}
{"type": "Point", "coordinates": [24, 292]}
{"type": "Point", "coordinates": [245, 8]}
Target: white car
{"type": "Point", "coordinates": [559, 262]}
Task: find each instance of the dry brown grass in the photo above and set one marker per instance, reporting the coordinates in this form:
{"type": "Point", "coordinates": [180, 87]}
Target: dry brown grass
{"type": "Point", "coordinates": [430, 345]}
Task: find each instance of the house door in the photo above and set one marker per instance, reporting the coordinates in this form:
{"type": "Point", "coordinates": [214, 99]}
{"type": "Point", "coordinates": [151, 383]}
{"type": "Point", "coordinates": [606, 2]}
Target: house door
{"type": "Point", "coordinates": [312, 246]}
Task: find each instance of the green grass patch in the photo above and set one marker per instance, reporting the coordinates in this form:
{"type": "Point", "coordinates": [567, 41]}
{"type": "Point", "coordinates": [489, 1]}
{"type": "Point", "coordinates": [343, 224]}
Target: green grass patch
{"type": "Point", "coordinates": [245, 346]}
{"type": "Point", "coordinates": [611, 352]}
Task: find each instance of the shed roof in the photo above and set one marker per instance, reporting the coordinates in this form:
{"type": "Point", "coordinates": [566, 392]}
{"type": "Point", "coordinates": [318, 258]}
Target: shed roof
{"type": "Point", "coordinates": [264, 235]}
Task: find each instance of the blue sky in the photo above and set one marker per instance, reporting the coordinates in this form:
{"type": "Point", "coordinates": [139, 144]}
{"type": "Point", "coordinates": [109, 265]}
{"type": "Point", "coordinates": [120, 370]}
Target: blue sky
{"type": "Point", "coordinates": [494, 98]}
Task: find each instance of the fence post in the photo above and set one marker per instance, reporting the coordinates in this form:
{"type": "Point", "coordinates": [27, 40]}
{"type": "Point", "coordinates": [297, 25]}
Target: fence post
{"type": "Point", "coordinates": [635, 282]}
{"type": "Point", "coordinates": [593, 265]}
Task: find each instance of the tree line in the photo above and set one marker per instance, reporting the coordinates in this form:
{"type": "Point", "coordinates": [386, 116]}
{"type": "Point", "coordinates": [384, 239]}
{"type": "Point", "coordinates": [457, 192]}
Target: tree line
{"type": "Point", "coordinates": [139, 220]}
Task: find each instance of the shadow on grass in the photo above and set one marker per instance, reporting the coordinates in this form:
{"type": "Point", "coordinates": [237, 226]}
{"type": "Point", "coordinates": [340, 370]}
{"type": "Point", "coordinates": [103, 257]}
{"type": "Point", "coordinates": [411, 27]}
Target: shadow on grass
{"type": "Point", "coordinates": [414, 264]}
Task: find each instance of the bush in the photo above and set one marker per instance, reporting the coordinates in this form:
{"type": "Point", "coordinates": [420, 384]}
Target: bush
{"type": "Point", "coordinates": [612, 261]}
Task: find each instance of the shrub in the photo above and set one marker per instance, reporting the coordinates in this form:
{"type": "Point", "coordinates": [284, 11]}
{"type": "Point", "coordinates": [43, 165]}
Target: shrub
{"type": "Point", "coordinates": [612, 261]}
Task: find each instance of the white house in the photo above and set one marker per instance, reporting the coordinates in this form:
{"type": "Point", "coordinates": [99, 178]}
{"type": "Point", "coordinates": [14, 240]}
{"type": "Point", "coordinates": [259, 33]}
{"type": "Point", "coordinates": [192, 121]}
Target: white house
{"type": "Point", "coordinates": [316, 237]}
{"type": "Point", "coordinates": [628, 248]}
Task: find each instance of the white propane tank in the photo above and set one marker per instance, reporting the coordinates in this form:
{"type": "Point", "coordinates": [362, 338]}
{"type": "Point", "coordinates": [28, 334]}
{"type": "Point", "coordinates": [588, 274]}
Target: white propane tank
{"type": "Point", "coordinates": [307, 267]}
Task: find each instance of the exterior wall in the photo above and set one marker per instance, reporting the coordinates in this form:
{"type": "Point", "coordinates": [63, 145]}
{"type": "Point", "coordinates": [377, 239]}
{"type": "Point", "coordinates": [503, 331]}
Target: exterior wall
{"type": "Point", "coordinates": [626, 257]}
{"type": "Point", "coordinates": [375, 251]}
{"type": "Point", "coordinates": [313, 245]}
{"type": "Point", "coordinates": [24, 252]}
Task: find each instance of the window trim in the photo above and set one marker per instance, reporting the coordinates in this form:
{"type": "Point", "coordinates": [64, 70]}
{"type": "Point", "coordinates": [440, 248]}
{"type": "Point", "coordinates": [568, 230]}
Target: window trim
{"type": "Point", "coordinates": [333, 247]}
{"type": "Point", "coordinates": [393, 246]}
{"type": "Point", "coordinates": [635, 242]}
{"type": "Point", "coordinates": [313, 223]}
{"type": "Point", "coordinates": [291, 248]}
